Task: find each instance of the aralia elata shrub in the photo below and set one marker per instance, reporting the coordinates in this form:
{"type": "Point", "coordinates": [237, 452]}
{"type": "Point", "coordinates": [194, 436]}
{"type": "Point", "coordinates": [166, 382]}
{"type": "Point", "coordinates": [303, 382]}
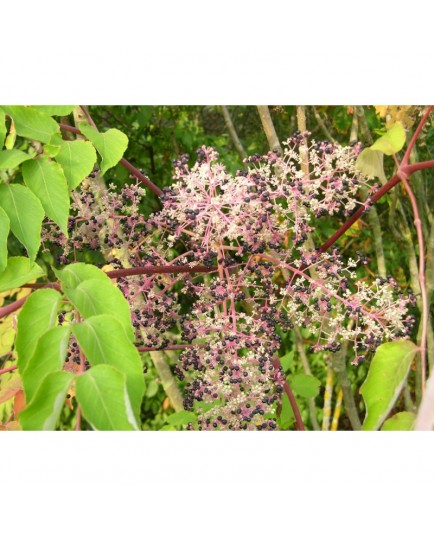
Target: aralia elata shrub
{"type": "Point", "coordinates": [220, 272]}
{"type": "Point", "coordinates": [250, 232]}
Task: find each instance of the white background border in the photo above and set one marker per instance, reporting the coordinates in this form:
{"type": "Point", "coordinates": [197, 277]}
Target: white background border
{"type": "Point", "coordinates": [193, 52]}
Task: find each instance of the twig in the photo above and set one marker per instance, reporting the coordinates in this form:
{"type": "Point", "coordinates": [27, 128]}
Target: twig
{"type": "Point", "coordinates": [340, 368]}
{"type": "Point", "coordinates": [291, 397]}
{"type": "Point", "coordinates": [354, 127]}
{"type": "Point", "coordinates": [373, 219]}
{"type": "Point", "coordinates": [378, 195]}
{"type": "Point", "coordinates": [8, 309]}
{"type": "Point", "coordinates": [268, 126]}
{"type": "Point", "coordinates": [167, 380]}
{"type": "Point", "coordinates": [416, 135]}
{"type": "Point", "coordinates": [9, 369]}
{"type": "Point", "coordinates": [364, 125]}
{"type": "Point", "coordinates": [328, 399]}
{"type": "Point", "coordinates": [151, 269]}
{"type": "Point", "coordinates": [85, 110]}
{"type": "Point", "coordinates": [424, 321]}
{"type": "Point", "coordinates": [233, 133]}
{"type": "Point", "coordinates": [170, 347]}
{"type": "Point", "coordinates": [322, 125]}
{"type": "Point", "coordinates": [337, 411]}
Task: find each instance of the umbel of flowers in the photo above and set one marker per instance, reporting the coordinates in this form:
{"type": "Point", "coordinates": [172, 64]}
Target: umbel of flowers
{"type": "Point", "coordinates": [251, 231]}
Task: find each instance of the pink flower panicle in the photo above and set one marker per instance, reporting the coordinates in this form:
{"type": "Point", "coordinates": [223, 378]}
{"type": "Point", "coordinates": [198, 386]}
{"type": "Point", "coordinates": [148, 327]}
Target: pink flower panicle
{"type": "Point", "coordinates": [253, 230]}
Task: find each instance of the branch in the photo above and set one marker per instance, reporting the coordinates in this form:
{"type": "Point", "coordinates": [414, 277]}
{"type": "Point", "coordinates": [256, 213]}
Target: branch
{"type": "Point", "coordinates": [424, 321]}
{"type": "Point", "coordinates": [378, 195]}
{"type": "Point", "coordinates": [322, 125]}
{"type": "Point", "coordinates": [233, 133]}
{"type": "Point", "coordinates": [270, 131]}
{"type": "Point", "coordinates": [151, 269]}
{"type": "Point", "coordinates": [8, 309]}
{"type": "Point", "coordinates": [291, 397]}
{"type": "Point", "coordinates": [337, 411]}
{"type": "Point", "coordinates": [328, 399]}
{"type": "Point", "coordinates": [9, 369]}
{"type": "Point", "coordinates": [170, 347]}
{"type": "Point", "coordinates": [416, 135]}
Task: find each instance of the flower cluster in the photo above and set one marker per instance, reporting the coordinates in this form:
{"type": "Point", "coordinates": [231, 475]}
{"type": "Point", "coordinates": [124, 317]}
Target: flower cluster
{"type": "Point", "coordinates": [252, 230]}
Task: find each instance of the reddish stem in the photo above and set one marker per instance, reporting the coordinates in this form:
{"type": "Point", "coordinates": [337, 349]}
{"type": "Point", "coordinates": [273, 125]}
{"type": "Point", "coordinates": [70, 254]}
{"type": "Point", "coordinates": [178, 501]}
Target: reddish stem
{"type": "Point", "coordinates": [416, 135]}
{"type": "Point", "coordinates": [139, 270]}
{"type": "Point", "coordinates": [291, 397]}
{"type": "Point", "coordinates": [88, 116]}
{"type": "Point", "coordinates": [8, 309]}
{"type": "Point", "coordinates": [170, 347]}
{"type": "Point", "coordinates": [147, 182]}
{"type": "Point", "coordinates": [403, 168]}
{"type": "Point", "coordinates": [424, 295]}
{"type": "Point", "coordinates": [56, 286]}
{"type": "Point", "coordinates": [412, 168]}
{"type": "Point", "coordinates": [9, 369]}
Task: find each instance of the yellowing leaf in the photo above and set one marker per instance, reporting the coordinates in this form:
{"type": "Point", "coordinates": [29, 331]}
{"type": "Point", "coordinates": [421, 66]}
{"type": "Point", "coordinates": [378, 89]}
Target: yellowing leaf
{"type": "Point", "coordinates": [391, 142]}
{"type": "Point", "coordinates": [370, 163]}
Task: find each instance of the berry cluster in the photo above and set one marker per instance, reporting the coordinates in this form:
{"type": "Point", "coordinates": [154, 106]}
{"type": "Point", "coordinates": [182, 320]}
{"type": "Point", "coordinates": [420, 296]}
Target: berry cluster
{"type": "Point", "coordinates": [253, 231]}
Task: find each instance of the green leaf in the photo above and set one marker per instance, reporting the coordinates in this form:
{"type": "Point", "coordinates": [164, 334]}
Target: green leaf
{"type": "Point", "coordinates": [287, 360]}
{"type": "Point", "coordinates": [111, 145]}
{"type": "Point", "coordinates": [287, 416]}
{"type": "Point", "coordinates": [74, 274]}
{"type": "Point", "coordinates": [55, 110]}
{"type": "Point", "coordinates": [103, 398]}
{"type": "Point", "coordinates": [77, 159]}
{"type": "Point", "coordinates": [37, 316]}
{"type": "Point", "coordinates": [104, 341]}
{"type": "Point", "coordinates": [370, 163]}
{"type": "Point", "coordinates": [403, 421]}
{"type": "Point", "coordinates": [51, 150]}
{"type": "Point", "coordinates": [13, 158]}
{"type": "Point", "coordinates": [3, 129]}
{"type": "Point", "coordinates": [96, 296]}
{"type": "Point", "coordinates": [386, 376]}
{"type": "Point", "coordinates": [181, 418]}
{"type": "Point", "coordinates": [31, 123]}
{"type": "Point", "coordinates": [152, 389]}
{"type": "Point", "coordinates": [19, 270]}
{"type": "Point", "coordinates": [4, 232]}
{"type": "Point", "coordinates": [391, 142]}
{"type": "Point", "coordinates": [305, 385]}
{"type": "Point", "coordinates": [44, 410]}
{"type": "Point", "coordinates": [49, 356]}
{"type": "Point", "coordinates": [25, 213]}
{"type": "Point", "coordinates": [46, 180]}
